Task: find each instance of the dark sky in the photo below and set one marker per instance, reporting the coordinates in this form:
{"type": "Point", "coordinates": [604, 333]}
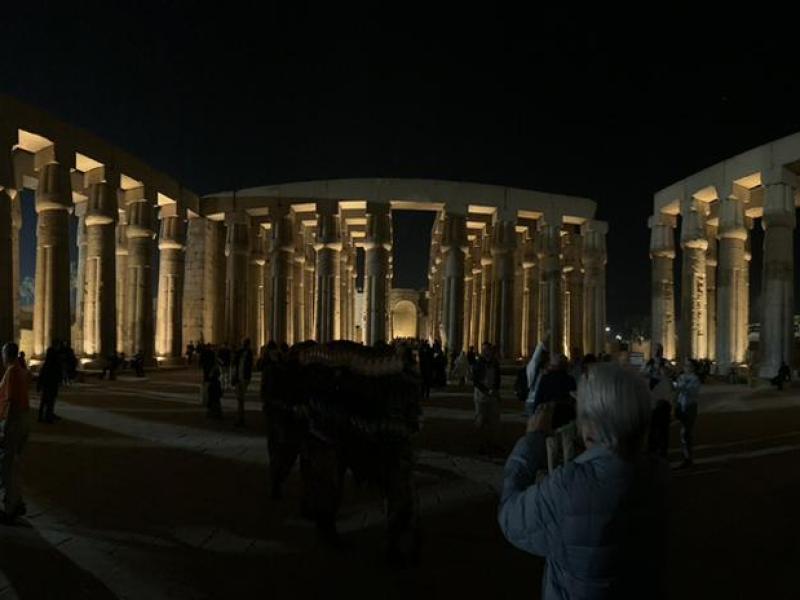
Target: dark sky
{"type": "Point", "coordinates": [609, 106]}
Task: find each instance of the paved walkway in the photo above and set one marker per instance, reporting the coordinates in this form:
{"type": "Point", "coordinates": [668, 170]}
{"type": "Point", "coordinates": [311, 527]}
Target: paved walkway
{"type": "Point", "coordinates": [100, 542]}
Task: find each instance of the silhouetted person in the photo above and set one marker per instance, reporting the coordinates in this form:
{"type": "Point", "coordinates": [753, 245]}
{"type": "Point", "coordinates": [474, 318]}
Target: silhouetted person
{"type": "Point", "coordinates": [486, 396]}
{"type": "Point", "coordinates": [426, 369]}
{"type": "Point", "coordinates": [242, 374]}
{"type": "Point", "coordinates": [22, 362]}
{"type": "Point", "coordinates": [214, 406]}
{"type": "Point", "coordinates": [48, 384]}
{"type": "Point", "coordinates": [14, 412]}
{"type": "Point", "coordinates": [784, 375]}
{"type": "Point", "coordinates": [190, 352]}
{"type": "Point", "coordinates": [557, 385]}
{"type": "Point", "coordinates": [224, 357]}
{"type": "Point", "coordinates": [688, 388]}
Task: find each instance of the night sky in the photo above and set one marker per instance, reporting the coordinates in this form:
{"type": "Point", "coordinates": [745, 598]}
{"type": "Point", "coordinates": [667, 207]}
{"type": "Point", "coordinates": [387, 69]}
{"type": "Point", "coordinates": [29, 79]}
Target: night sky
{"type": "Point", "coordinates": [603, 106]}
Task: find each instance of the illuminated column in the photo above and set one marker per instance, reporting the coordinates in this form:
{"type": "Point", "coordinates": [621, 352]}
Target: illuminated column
{"type": "Point", "coordinates": [16, 215]}
{"type": "Point", "coordinates": [100, 311]}
{"type": "Point", "coordinates": [328, 244]}
{"type": "Point", "coordinates": [214, 277]}
{"type": "Point", "coordinates": [777, 290]}
{"type": "Point", "coordinates": [530, 296]}
{"type": "Point", "coordinates": [255, 287]}
{"type": "Point", "coordinates": [484, 329]}
{"type": "Point", "coordinates": [237, 249]}
{"type": "Point", "coordinates": [550, 290]}
{"type": "Point", "coordinates": [299, 283]}
{"type": "Point", "coordinates": [309, 269]}
{"type": "Point", "coordinates": [281, 254]}
{"type": "Point", "coordinates": [170, 286]}
{"type": "Point", "coordinates": [662, 254]}
{"type": "Point", "coordinates": [692, 339]}
{"type": "Point", "coordinates": [454, 245]}
{"type": "Point", "coordinates": [469, 280]}
{"type": "Point", "coordinates": [731, 338]}
{"type": "Point", "coordinates": [594, 258]}
{"type": "Point", "coordinates": [140, 232]}
{"type": "Point", "coordinates": [504, 241]}
{"type": "Point", "coordinates": [377, 245]}
{"type": "Point", "coordinates": [121, 257]}
{"type": "Point", "coordinates": [7, 289]}
{"type": "Point", "coordinates": [8, 194]}
{"type": "Point", "coordinates": [51, 313]}
{"type": "Point", "coordinates": [80, 279]}
{"type": "Point", "coordinates": [711, 292]}
{"type": "Point", "coordinates": [574, 293]}
{"type": "Point", "coordinates": [477, 284]}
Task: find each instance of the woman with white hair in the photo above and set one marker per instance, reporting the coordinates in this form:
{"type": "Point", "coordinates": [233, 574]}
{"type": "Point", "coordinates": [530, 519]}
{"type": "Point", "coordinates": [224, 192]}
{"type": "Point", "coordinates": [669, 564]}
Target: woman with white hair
{"type": "Point", "coordinates": [600, 521]}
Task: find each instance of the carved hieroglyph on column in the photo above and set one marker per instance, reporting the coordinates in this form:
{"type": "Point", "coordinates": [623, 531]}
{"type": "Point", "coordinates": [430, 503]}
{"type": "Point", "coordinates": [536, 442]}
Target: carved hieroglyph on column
{"type": "Point", "coordinates": [328, 244]}
{"type": "Point", "coordinates": [454, 245]}
{"type": "Point", "coordinates": [51, 314]}
{"type": "Point", "coordinates": [281, 253]}
{"type": "Point", "coordinates": [662, 253]}
{"type": "Point", "coordinates": [594, 260]}
{"type": "Point", "coordinates": [214, 277]}
{"type": "Point", "coordinates": [487, 283]}
{"type": "Point", "coordinates": [121, 258]}
{"type": "Point", "coordinates": [504, 241]}
{"type": "Point", "coordinates": [731, 284]}
{"type": "Point", "coordinates": [80, 278]}
{"type": "Point", "coordinates": [694, 323]}
{"type": "Point", "coordinates": [571, 247]}
{"type": "Point", "coordinates": [469, 280]}
{"type": "Point", "coordinates": [711, 292]}
{"type": "Point", "coordinates": [377, 246]}
{"type": "Point", "coordinates": [169, 342]}
{"type": "Point", "coordinates": [549, 259]}
{"type": "Point", "coordinates": [140, 231]}
{"type": "Point", "coordinates": [530, 295]}
{"type": "Point", "coordinates": [777, 294]}
{"type": "Point", "coordinates": [255, 287]}
{"type": "Point", "coordinates": [236, 252]}
{"type": "Point", "coordinates": [100, 313]}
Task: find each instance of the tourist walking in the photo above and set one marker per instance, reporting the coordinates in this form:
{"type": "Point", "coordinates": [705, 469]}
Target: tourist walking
{"type": "Point", "coordinates": [242, 373]}
{"type": "Point", "coordinates": [557, 386]}
{"type": "Point", "coordinates": [600, 521]}
{"type": "Point", "coordinates": [47, 385]}
{"type": "Point", "coordinates": [14, 415]}
{"type": "Point", "coordinates": [688, 388]}
{"type": "Point", "coordinates": [224, 356]}
{"type": "Point", "coordinates": [486, 395]}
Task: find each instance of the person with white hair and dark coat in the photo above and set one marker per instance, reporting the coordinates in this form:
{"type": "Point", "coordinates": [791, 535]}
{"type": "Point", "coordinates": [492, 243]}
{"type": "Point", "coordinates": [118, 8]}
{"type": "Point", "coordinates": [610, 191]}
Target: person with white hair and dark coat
{"type": "Point", "coordinates": [600, 521]}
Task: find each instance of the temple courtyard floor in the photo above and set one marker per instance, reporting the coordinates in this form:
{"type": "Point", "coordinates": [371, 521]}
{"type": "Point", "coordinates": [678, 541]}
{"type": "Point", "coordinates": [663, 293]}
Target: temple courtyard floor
{"type": "Point", "coordinates": [135, 494]}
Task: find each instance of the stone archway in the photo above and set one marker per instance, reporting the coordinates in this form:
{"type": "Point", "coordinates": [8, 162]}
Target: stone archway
{"type": "Point", "coordinates": [404, 320]}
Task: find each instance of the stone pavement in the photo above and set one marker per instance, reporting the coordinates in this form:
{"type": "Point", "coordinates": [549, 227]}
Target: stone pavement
{"type": "Point", "coordinates": [136, 495]}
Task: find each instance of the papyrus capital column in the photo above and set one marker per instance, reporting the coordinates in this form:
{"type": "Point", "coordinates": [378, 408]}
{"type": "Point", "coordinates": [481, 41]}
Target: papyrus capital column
{"type": "Point", "coordinates": [237, 247]}
{"type": "Point", "coordinates": [693, 341]}
{"type": "Point", "coordinates": [171, 245]}
{"type": "Point", "coordinates": [594, 258]}
{"type": "Point", "coordinates": [51, 312]}
{"type": "Point", "coordinates": [549, 249]}
{"type": "Point", "coordinates": [281, 254]}
{"type": "Point", "coordinates": [377, 246]}
{"type": "Point", "coordinates": [662, 255]}
{"type": "Point", "coordinates": [572, 268]}
{"type": "Point", "coordinates": [454, 246]}
{"type": "Point", "coordinates": [503, 246]}
{"type": "Point", "coordinates": [731, 284]}
{"type": "Point", "coordinates": [100, 300]}
{"type": "Point", "coordinates": [140, 231]}
{"type": "Point", "coordinates": [776, 342]}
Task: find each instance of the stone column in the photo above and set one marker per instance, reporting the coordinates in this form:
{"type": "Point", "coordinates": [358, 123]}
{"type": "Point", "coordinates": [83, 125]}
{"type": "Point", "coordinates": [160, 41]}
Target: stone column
{"type": "Point", "coordinates": [169, 342]}
{"type": "Point", "coordinates": [711, 292]}
{"type": "Point", "coordinates": [454, 246]}
{"type": "Point", "coordinates": [194, 279]}
{"type": "Point", "coordinates": [100, 310]}
{"type": "Point", "coordinates": [121, 257]}
{"type": "Point", "coordinates": [309, 269]}
{"type": "Point", "coordinates": [16, 214]}
{"type": "Point", "coordinates": [281, 254]}
{"type": "Point", "coordinates": [504, 241]}
{"type": "Point", "coordinates": [731, 332]}
{"type": "Point", "coordinates": [140, 232]}
{"type": "Point", "coordinates": [8, 137]}
{"type": "Point", "coordinates": [530, 296]}
{"type": "Point", "coordinates": [214, 278]}
{"type": "Point", "coordinates": [692, 341]}
{"type": "Point", "coordinates": [477, 285]}
{"type": "Point", "coordinates": [571, 246]}
{"type": "Point", "coordinates": [777, 289]}
{"type": "Point", "coordinates": [593, 234]}
{"type": "Point", "coordinates": [255, 287]}
{"type": "Point", "coordinates": [487, 279]}
{"type": "Point", "coordinates": [299, 285]}
{"type": "Point", "coordinates": [550, 261]}
{"type": "Point", "coordinates": [469, 280]}
{"type": "Point", "coordinates": [7, 289]}
{"type": "Point", "coordinates": [378, 245]}
{"type": "Point", "coordinates": [662, 254]}
{"type": "Point", "coordinates": [51, 313]}
{"type": "Point", "coordinates": [237, 247]}
{"type": "Point", "coordinates": [80, 279]}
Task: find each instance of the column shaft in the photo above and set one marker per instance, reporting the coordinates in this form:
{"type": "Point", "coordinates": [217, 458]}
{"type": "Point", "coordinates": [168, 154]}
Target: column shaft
{"type": "Point", "coordinates": [281, 255]}
{"type": "Point", "coordinates": [504, 242]}
{"type": "Point", "coordinates": [378, 244]}
{"type": "Point", "coordinates": [662, 254]}
{"type": "Point", "coordinates": [236, 284]}
{"type": "Point", "coordinates": [731, 330]}
{"type": "Point", "coordinates": [140, 279]}
{"type": "Point", "coordinates": [593, 256]}
{"type": "Point", "coordinates": [454, 245]}
{"type": "Point", "coordinates": [692, 339]}
{"type": "Point", "coordinates": [551, 308]}
{"type": "Point", "coordinates": [169, 342]}
{"type": "Point", "coordinates": [7, 289]}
